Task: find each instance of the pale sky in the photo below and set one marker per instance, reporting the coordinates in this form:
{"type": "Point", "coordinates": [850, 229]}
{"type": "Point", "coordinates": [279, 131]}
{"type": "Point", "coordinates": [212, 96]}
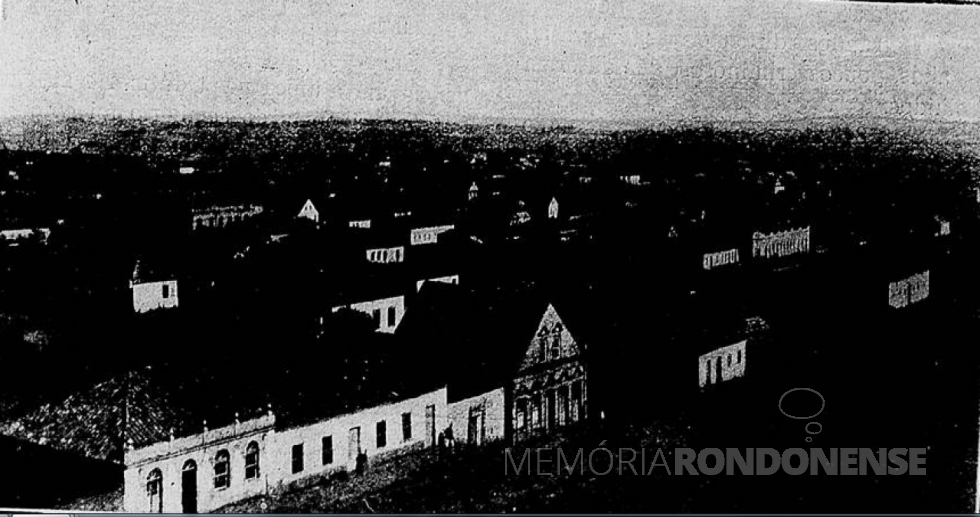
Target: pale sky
{"type": "Point", "coordinates": [602, 60]}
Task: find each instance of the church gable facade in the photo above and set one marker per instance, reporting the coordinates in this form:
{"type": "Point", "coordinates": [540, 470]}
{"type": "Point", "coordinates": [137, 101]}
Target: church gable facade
{"type": "Point", "coordinates": [549, 390]}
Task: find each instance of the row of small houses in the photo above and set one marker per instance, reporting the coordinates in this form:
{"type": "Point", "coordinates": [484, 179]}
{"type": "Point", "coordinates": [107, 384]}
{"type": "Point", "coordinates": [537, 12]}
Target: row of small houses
{"type": "Point", "coordinates": [159, 290]}
{"type": "Point", "coordinates": [517, 371]}
{"type": "Point", "coordinates": [506, 371]}
{"type": "Point", "coordinates": [151, 292]}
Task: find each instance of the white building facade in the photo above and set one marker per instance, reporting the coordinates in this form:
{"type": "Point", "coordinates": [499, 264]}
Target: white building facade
{"type": "Point", "coordinates": [204, 472]}
{"type": "Point", "coordinates": [386, 255]}
{"type": "Point", "coordinates": [479, 419]}
{"type": "Point", "coordinates": [386, 312]}
{"type": "Point", "coordinates": [149, 296]}
{"type": "Point", "coordinates": [428, 235]}
{"type": "Point", "coordinates": [723, 364]}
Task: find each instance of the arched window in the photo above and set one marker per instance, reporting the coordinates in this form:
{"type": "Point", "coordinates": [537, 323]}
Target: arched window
{"type": "Point", "coordinates": [252, 461]}
{"type": "Point", "coordinates": [154, 490]}
{"type": "Point", "coordinates": [222, 470]}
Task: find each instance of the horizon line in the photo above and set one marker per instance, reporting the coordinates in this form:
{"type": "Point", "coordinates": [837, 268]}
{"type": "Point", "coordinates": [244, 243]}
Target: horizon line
{"type": "Point", "coordinates": [542, 122]}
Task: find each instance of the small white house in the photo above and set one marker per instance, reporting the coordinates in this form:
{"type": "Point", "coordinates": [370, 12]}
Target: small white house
{"type": "Point", "coordinates": [386, 312]}
{"type": "Point", "coordinates": [428, 235]}
{"type": "Point", "coordinates": [386, 255]}
{"type": "Point", "coordinates": [723, 364]}
{"type": "Point", "coordinates": [152, 292]}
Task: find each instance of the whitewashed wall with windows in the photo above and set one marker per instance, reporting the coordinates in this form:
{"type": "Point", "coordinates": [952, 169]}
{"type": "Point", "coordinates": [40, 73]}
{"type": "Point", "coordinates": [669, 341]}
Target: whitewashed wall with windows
{"type": "Point", "coordinates": [251, 458]}
{"type": "Point", "coordinates": [300, 450]}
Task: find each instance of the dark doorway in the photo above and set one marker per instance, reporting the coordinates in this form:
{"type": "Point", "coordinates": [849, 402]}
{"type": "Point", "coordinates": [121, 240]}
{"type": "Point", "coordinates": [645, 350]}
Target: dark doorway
{"type": "Point", "coordinates": [188, 487]}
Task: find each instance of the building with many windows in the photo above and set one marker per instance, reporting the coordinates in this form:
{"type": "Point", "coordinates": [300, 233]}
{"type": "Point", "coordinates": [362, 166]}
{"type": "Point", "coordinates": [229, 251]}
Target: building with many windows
{"type": "Point", "coordinates": [217, 467]}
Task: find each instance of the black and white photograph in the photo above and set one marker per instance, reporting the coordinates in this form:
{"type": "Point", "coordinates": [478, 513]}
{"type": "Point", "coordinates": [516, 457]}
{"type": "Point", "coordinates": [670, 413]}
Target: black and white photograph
{"type": "Point", "coordinates": [461, 256]}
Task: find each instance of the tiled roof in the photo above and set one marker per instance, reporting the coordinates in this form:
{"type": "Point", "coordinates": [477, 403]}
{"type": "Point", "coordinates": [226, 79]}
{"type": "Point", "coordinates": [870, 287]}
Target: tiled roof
{"type": "Point", "coordinates": [98, 422]}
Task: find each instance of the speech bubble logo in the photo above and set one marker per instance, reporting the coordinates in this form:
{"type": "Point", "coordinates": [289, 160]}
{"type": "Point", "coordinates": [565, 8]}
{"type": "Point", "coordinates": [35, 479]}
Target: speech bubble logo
{"type": "Point", "coordinates": [811, 428]}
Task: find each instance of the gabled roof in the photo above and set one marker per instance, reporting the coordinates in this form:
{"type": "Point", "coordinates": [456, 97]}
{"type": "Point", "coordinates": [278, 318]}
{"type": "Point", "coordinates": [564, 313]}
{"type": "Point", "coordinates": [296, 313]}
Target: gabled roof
{"type": "Point", "coordinates": [98, 422]}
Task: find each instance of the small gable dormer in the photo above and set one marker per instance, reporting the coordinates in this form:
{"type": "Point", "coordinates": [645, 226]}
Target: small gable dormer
{"type": "Point", "coordinates": [551, 342]}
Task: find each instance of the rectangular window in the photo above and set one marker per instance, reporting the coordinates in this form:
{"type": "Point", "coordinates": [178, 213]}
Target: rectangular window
{"type": "Point", "coordinates": [556, 345]}
{"type": "Point", "coordinates": [406, 427]}
{"type": "Point", "coordinates": [376, 314]}
{"type": "Point", "coordinates": [391, 317]}
{"type": "Point", "coordinates": [297, 458]}
{"type": "Point", "coordinates": [382, 431]}
{"type": "Point", "coordinates": [166, 290]}
{"type": "Point", "coordinates": [327, 450]}
{"type": "Point", "coordinates": [577, 406]}
{"type": "Point", "coordinates": [521, 414]}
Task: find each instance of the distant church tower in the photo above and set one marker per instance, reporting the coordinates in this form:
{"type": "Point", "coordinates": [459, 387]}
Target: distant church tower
{"type": "Point", "coordinates": [553, 209]}
{"type": "Point", "coordinates": [309, 212]}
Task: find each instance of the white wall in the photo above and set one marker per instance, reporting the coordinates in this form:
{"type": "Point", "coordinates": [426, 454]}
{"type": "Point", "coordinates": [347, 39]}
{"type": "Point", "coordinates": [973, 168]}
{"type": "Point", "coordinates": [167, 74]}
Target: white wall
{"type": "Point", "coordinates": [311, 436]}
{"type": "Point", "coordinates": [386, 255]}
{"type": "Point", "coordinates": [275, 453]}
{"type": "Point", "coordinates": [149, 296]}
{"type": "Point", "coordinates": [494, 415]}
{"type": "Point", "coordinates": [397, 302]}
{"type": "Point", "coordinates": [170, 458]}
